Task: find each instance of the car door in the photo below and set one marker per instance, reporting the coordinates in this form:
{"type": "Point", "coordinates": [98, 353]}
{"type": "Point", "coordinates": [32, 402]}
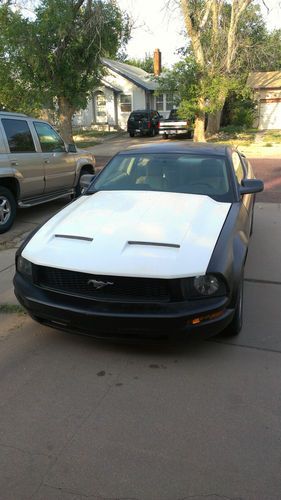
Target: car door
{"type": "Point", "coordinates": [23, 156]}
{"type": "Point", "coordinates": [59, 164]}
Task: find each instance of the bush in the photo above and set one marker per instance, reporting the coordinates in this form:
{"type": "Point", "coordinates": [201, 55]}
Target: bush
{"type": "Point", "coordinates": [239, 112]}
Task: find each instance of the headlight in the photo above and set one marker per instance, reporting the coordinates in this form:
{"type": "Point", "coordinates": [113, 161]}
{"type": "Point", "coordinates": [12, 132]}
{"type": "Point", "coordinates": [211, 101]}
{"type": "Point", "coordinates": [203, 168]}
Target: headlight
{"type": "Point", "coordinates": [207, 285]}
{"type": "Point", "coordinates": [24, 267]}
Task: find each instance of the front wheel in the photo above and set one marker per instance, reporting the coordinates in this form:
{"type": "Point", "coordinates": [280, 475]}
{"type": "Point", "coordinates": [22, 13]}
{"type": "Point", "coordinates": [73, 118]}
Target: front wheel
{"type": "Point", "coordinates": [8, 209]}
{"type": "Point", "coordinates": [131, 134]}
{"type": "Point", "coordinates": [236, 324]}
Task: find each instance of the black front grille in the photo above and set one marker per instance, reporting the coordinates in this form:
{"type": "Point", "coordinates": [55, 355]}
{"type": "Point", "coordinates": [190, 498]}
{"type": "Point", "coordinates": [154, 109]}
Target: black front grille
{"type": "Point", "coordinates": [123, 288]}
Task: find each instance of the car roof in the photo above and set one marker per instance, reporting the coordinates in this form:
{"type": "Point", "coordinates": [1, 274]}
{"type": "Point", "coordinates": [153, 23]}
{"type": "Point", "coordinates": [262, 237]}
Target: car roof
{"type": "Point", "coordinates": [180, 147]}
{"type": "Point", "coordinates": [142, 111]}
{"type": "Point", "coordinates": [13, 115]}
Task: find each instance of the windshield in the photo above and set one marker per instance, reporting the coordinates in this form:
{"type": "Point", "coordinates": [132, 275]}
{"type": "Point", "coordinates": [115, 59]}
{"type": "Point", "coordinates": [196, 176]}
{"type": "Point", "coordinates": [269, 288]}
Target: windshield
{"type": "Point", "coordinates": [176, 173]}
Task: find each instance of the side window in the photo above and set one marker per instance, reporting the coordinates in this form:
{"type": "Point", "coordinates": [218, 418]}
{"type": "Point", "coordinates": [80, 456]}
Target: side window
{"type": "Point", "coordinates": [125, 103]}
{"type": "Point", "coordinates": [238, 167]}
{"type": "Point", "coordinates": [18, 135]}
{"type": "Point", "coordinates": [160, 102]}
{"type": "Point", "coordinates": [50, 140]}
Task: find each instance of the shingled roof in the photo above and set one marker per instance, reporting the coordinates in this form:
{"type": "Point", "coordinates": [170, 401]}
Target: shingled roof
{"type": "Point", "coordinates": [264, 80]}
{"type": "Point", "coordinates": [136, 75]}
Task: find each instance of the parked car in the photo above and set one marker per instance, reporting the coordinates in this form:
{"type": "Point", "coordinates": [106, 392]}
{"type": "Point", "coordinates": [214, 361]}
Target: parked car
{"type": "Point", "coordinates": [157, 243]}
{"type": "Point", "coordinates": [36, 165]}
{"type": "Point", "coordinates": [173, 125]}
{"type": "Point", "coordinates": [143, 122]}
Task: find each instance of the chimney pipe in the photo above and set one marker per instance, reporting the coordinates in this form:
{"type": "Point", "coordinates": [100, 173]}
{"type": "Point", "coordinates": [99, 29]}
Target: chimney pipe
{"type": "Point", "coordinates": [157, 62]}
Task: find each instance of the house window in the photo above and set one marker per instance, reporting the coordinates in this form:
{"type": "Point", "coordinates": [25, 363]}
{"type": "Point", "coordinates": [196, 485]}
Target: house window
{"type": "Point", "coordinates": [169, 101]}
{"type": "Point", "coordinates": [160, 102]}
{"type": "Point", "coordinates": [126, 103]}
{"type": "Point", "coordinates": [100, 105]}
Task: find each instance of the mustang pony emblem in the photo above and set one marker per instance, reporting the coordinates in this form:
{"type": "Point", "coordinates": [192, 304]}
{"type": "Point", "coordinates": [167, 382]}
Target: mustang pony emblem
{"type": "Point", "coordinates": [99, 284]}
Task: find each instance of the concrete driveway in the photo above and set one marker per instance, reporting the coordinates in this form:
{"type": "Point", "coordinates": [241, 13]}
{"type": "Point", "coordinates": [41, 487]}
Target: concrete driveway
{"type": "Point", "coordinates": [169, 421]}
{"type": "Point", "coordinates": [198, 419]}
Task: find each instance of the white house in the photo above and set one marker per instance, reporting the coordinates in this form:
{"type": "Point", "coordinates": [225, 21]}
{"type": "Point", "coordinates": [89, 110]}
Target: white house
{"type": "Point", "coordinates": [267, 88]}
{"type": "Point", "coordinates": [124, 88]}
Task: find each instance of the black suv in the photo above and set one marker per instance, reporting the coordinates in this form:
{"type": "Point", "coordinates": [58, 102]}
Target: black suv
{"type": "Point", "coordinates": [143, 122]}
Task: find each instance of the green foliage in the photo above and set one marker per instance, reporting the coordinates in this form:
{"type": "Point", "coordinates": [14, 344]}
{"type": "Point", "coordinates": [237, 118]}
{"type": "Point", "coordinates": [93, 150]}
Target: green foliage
{"type": "Point", "coordinates": [186, 81]}
{"type": "Point", "coordinates": [269, 57]}
{"type": "Point", "coordinates": [253, 45]}
{"type": "Point", "coordinates": [240, 108]}
{"type": "Point", "coordinates": [58, 53]}
{"type": "Point", "coordinates": [11, 309]}
{"type": "Point", "coordinates": [146, 63]}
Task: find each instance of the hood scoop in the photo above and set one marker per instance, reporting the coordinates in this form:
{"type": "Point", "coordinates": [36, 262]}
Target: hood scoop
{"type": "Point", "coordinates": [154, 244]}
{"type": "Point", "coordinates": [73, 237]}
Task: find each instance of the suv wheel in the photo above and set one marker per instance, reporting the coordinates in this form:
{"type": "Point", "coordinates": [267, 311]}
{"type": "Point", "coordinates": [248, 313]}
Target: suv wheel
{"type": "Point", "coordinates": [8, 209]}
{"type": "Point", "coordinates": [132, 134]}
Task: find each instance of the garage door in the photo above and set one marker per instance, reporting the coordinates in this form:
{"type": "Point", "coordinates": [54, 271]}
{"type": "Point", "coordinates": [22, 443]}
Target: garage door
{"type": "Point", "coordinates": [270, 115]}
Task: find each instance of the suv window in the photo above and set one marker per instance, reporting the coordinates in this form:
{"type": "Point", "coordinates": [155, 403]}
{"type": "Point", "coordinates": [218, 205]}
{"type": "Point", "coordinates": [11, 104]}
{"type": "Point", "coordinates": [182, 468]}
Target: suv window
{"type": "Point", "coordinates": [173, 114]}
{"type": "Point", "coordinates": [18, 135]}
{"type": "Point", "coordinates": [50, 140]}
{"type": "Point", "coordinates": [139, 116]}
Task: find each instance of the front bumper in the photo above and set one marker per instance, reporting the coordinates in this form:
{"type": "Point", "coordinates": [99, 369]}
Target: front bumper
{"type": "Point", "coordinates": [121, 320]}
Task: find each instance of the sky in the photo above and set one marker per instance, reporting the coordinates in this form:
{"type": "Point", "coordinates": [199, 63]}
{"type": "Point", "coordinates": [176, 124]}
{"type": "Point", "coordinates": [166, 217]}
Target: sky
{"type": "Point", "coordinates": [158, 27]}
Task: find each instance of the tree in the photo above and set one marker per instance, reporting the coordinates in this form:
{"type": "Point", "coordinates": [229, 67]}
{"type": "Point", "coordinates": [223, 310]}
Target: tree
{"type": "Point", "coordinates": [56, 57]}
{"type": "Point", "coordinates": [268, 58]}
{"type": "Point", "coordinates": [146, 63]}
{"type": "Point", "coordinates": [215, 61]}
{"type": "Point", "coordinates": [256, 50]}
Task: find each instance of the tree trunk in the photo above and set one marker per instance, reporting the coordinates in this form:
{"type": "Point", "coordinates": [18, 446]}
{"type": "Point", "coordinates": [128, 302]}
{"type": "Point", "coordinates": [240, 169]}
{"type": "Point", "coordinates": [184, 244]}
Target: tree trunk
{"type": "Point", "coordinates": [199, 128]}
{"type": "Point", "coordinates": [214, 121]}
{"type": "Point", "coordinates": [65, 113]}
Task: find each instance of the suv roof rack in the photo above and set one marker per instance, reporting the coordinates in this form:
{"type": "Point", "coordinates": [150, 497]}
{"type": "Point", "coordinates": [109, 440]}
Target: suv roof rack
{"type": "Point", "coordinates": [9, 113]}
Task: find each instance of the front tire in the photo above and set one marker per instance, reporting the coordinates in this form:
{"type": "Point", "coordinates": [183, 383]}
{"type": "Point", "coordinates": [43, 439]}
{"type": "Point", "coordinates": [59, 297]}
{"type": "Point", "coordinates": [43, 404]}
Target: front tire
{"type": "Point", "coordinates": [8, 209]}
{"type": "Point", "coordinates": [132, 134]}
{"type": "Point", "coordinates": [236, 324]}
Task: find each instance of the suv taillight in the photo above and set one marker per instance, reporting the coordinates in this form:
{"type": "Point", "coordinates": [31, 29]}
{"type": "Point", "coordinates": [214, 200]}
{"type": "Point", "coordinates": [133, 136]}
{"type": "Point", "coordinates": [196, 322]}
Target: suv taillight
{"type": "Point", "coordinates": [148, 124]}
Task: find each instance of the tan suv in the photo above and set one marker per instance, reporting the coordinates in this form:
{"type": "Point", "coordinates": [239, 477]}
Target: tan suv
{"type": "Point", "coordinates": [36, 166]}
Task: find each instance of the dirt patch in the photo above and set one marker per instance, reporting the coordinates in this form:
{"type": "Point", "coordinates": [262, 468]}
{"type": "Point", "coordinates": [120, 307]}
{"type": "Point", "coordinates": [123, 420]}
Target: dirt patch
{"type": "Point", "coordinates": [10, 323]}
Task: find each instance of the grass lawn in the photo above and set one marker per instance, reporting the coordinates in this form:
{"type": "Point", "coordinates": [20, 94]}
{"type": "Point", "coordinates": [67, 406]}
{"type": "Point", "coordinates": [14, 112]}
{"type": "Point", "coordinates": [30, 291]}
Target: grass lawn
{"type": "Point", "coordinates": [237, 136]}
{"type": "Point", "coordinates": [272, 136]}
{"type": "Point", "coordinates": [89, 138]}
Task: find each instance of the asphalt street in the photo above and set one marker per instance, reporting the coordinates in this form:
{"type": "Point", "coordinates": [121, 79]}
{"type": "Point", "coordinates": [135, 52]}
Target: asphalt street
{"type": "Point", "coordinates": [82, 419]}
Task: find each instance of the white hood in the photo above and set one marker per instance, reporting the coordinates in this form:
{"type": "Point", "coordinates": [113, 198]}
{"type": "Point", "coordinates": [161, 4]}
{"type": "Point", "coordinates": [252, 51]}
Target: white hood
{"type": "Point", "coordinates": [112, 219]}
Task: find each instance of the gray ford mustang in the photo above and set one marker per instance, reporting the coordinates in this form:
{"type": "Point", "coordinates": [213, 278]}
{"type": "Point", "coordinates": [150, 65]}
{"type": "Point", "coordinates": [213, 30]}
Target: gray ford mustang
{"type": "Point", "coordinates": [156, 244]}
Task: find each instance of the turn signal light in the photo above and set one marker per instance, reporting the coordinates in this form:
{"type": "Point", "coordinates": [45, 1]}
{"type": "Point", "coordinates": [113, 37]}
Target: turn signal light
{"type": "Point", "coordinates": [206, 317]}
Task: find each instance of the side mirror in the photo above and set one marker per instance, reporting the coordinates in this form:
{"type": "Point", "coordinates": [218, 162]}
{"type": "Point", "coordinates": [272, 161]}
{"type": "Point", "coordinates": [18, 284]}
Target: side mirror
{"type": "Point", "coordinates": [251, 186]}
{"type": "Point", "coordinates": [85, 181]}
{"type": "Point", "coordinates": [71, 148]}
